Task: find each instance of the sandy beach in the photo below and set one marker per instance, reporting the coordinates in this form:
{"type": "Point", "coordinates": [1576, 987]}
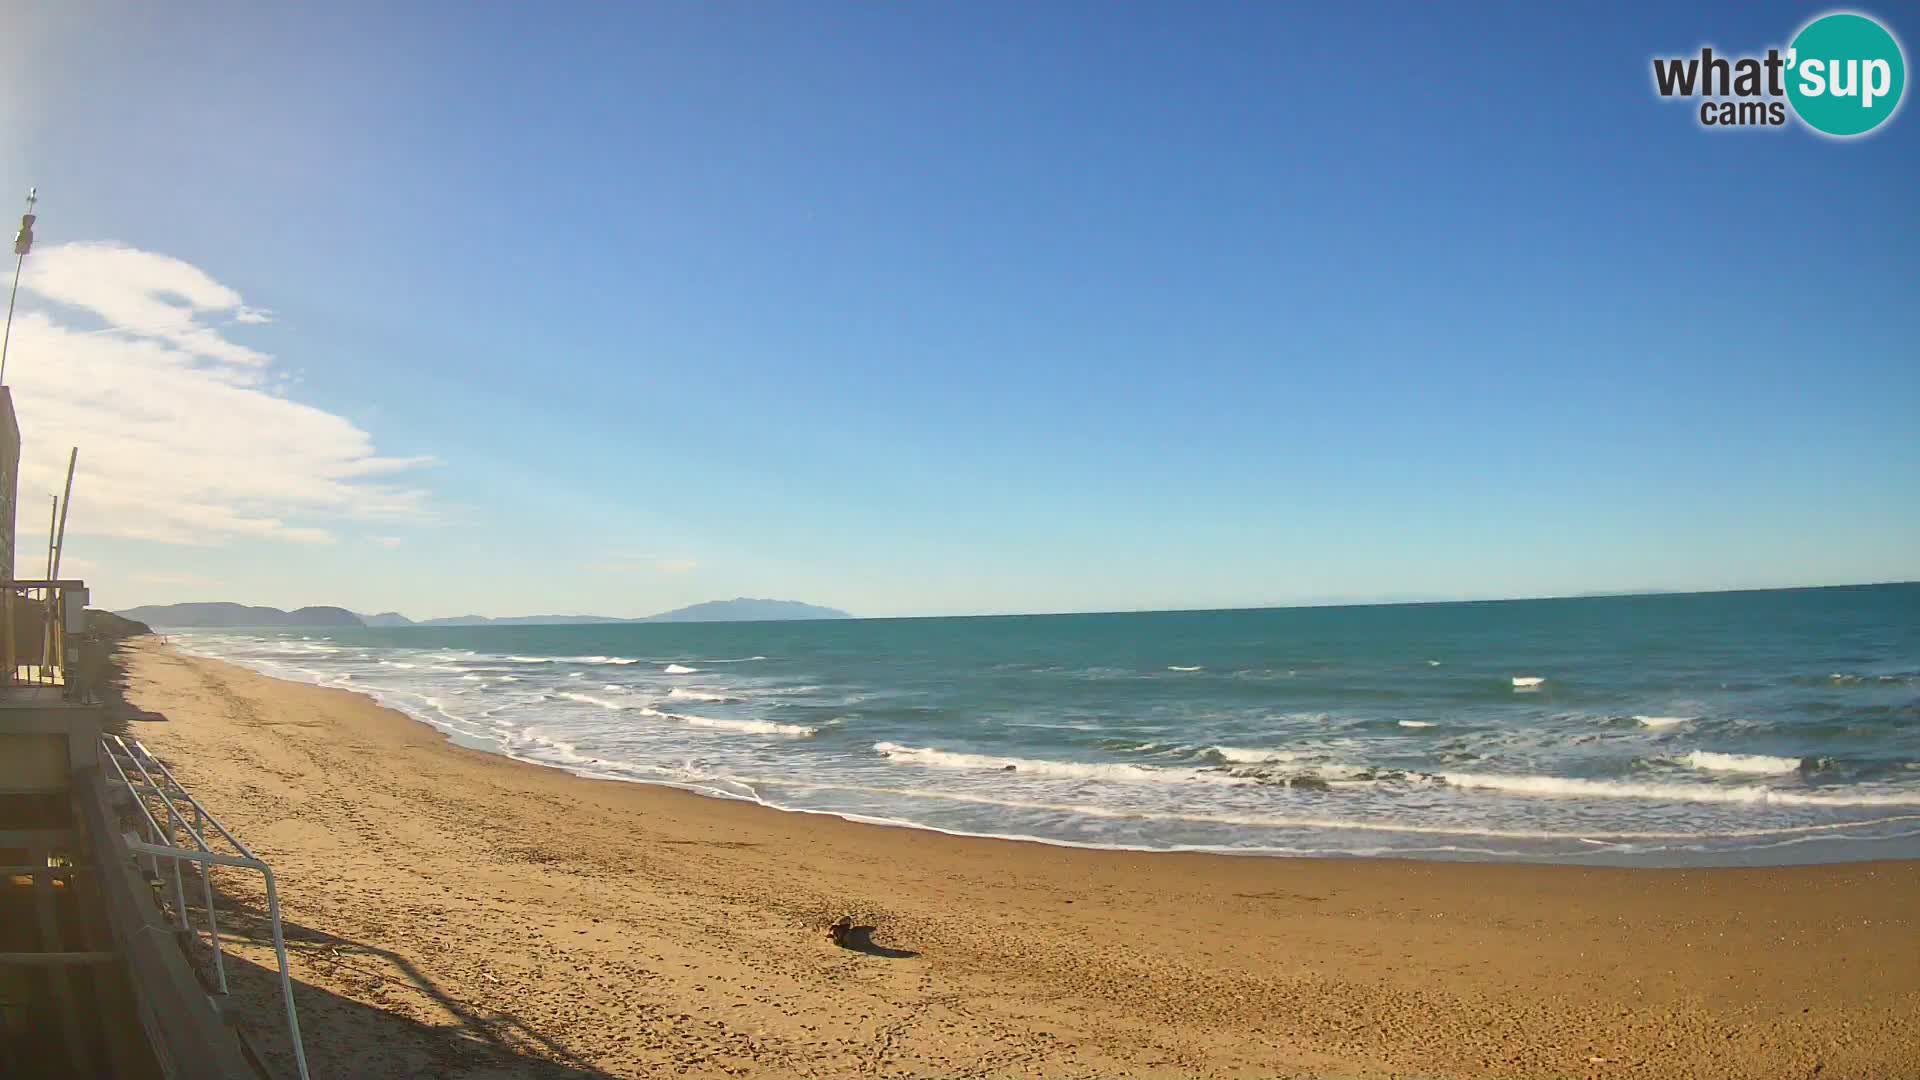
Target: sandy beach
{"type": "Point", "coordinates": [457, 914]}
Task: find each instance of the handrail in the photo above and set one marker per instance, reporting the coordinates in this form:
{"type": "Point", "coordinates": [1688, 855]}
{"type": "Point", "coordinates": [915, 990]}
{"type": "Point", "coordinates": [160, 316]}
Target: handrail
{"type": "Point", "coordinates": [136, 753]}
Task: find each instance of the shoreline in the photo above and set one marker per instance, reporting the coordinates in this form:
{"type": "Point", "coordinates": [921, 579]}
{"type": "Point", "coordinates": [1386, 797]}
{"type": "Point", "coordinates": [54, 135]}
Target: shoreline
{"type": "Point", "coordinates": [475, 745]}
{"type": "Point", "coordinates": [1451, 845]}
{"type": "Point", "coordinates": [699, 922]}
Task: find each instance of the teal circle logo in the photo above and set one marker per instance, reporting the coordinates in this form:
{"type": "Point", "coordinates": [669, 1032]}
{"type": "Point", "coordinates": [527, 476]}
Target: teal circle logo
{"type": "Point", "coordinates": [1845, 73]}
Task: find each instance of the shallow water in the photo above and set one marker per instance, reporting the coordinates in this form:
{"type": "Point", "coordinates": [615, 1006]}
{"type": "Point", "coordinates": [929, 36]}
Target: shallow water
{"type": "Point", "coordinates": [1762, 727]}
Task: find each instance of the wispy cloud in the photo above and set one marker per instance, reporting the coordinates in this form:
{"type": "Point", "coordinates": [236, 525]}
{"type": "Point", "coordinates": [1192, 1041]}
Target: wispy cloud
{"type": "Point", "coordinates": [388, 542]}
{"type": "Point", "coordinates": [184, 435]}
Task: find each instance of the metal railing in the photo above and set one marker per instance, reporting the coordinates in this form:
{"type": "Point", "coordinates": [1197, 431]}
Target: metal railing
{"type": "Point", "coordinates": [156, 787]}
{"type": "Point", "coordinates": [39, 624]}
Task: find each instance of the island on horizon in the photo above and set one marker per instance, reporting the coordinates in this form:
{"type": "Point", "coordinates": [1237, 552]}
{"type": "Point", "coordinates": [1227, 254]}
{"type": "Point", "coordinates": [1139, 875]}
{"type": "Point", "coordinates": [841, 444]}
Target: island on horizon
{"type": "Point", "coordinates": [223, 615]}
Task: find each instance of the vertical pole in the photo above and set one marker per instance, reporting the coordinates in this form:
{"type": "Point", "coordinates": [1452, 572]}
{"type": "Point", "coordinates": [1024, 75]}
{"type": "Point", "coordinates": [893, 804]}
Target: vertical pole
{"type": "Point", "coordinates": [8, 339]}
{"type": "Point", "coordinates": [66, 504]}
{"type": "Point", "coordinates": [56, 597]}
{"type": "Point", "coordinates": [286, 978]}
{"type": "Point", "coordinates": [46, 597]}
{"type": "Point", "coordinates": [21, 245]}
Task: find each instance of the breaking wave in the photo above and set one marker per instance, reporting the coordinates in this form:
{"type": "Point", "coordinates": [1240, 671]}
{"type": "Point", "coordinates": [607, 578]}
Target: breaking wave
{"type": "Point", "coordinates": [1081, 770]}
{"type": "Point", "coordinates": [1741, 763]}
{"type": "Point", "coordinates": [1567, 787]}
{"type": "Point", "coordinates": [751, 727]}
{"type": "Point", "coordinates": [688, 693]}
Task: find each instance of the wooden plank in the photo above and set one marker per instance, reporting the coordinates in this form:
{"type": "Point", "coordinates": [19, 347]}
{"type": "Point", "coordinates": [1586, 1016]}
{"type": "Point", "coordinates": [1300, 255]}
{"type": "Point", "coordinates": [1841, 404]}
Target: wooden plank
{"type": "Point", "coordinates": [76, 1036]}
{"type": "Point", "coordinates": [53, 959]}
{"type": "Point", "coordinates": [112, 998]}
{"type": "Point", "coordinates": [57, 839]}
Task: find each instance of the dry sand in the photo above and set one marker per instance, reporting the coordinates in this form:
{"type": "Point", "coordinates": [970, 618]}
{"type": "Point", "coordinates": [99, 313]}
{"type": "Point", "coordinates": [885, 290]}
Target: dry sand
{"type": "Point", "coordinates": [458, 914]}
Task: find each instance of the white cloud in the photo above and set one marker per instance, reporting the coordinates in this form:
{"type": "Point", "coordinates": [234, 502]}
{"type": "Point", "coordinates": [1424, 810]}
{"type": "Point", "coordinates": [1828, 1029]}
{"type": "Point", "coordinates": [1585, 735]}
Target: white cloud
{"type": "Point", "coordinates": [181, 438]}
{"type": "Point", "coordinates": [388, 542]}
{"type": "Point", "coordinates": [142, 293]}
{"type": "Point", "coordinates": [676, 566]}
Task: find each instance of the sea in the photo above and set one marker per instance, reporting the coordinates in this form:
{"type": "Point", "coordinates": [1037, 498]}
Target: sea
{"type": "Point", "coordinates": [1764, 727]}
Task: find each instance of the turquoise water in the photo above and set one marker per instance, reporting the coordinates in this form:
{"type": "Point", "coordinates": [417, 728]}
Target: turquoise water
{"type": "Point", "coordinates": [1760, 727]}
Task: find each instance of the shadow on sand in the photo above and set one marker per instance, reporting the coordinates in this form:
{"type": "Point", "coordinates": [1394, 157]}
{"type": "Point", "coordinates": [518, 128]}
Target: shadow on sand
{"type": "Point", "coordinates": [110, 687]}
{"type": "Point", "coordinates": [860, 939]}
{"type": "Point", "coordinates": [344, 1037]}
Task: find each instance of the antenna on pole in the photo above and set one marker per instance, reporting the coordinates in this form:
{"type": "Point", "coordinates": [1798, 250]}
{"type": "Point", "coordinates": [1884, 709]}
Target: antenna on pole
{"type": "Point", "coordinates": [22, 243]}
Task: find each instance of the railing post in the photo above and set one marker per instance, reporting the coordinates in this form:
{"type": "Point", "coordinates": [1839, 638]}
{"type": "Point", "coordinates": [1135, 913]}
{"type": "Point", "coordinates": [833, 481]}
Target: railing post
{"type": "Point", "coordinates": [286, 978]}
{"type": "Point", "coordinates": [206, 858]}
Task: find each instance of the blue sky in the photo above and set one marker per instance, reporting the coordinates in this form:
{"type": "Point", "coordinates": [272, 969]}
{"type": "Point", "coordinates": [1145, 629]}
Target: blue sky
{"type": "Point", "coordinates": [943, 308]}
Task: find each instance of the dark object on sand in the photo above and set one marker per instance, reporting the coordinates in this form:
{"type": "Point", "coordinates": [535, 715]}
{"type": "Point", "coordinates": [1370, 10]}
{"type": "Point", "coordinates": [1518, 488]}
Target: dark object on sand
{"type": "Point", "coordinates": [847, 935]}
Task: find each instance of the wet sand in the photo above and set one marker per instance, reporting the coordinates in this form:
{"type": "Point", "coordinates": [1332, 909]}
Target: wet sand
{"type": "Point", "coordinates": [454, 913]}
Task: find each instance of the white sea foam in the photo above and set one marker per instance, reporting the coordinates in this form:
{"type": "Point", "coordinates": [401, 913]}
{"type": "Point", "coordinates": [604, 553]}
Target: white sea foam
{"type": "Point", "coordinates": [589, 699]}
{"type": "Point", "coordinates": [1416, 723]}
{"type": "Point", "coordinates": [688, 693]}
{"type": "Point", "coordinates": [1078, 770]}
{"type": "Point", "coordinates": [1662, 721]}
{"type": "Point", "coordinates": [1433, 663]}
{"type": "Point", "coordinates": [554, 748]}
{"type": "Point", "coordinates": [751, 727]}
{"type": "Point", "coordinates": [1568, 787]}
{"type": "Point", "coordinates": [681, 669]}
{"type": "Point", "coordinates": [397, 663]}
{"type": "Point", "coordinates": [1177, 667]}
{"type": "Point", "coordinates": [1527, 682]}
{"type": "Point", "coordinates": [1241, 755]}
{"type": "Point", "coordinates": [1742, 763]}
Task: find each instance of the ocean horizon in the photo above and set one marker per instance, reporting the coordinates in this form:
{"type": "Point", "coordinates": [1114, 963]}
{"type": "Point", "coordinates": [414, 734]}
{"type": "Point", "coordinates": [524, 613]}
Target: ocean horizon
{"type": "Point", "coordinates": [1751, 727]}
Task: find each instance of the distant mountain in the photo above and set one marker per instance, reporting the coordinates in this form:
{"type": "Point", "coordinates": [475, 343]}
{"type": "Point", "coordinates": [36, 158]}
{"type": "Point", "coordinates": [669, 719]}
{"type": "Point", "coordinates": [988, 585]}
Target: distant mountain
{"type": "Point", "coordinates": [739, 609]}
{"type": "Point", "coordinates": [105, 624]}
{"type": "Point", "coordinates": [216, 615]}
{"type": "Point", "coordinates": [747, 609]}
{"type": "Point", "coordinates": [513, 620]}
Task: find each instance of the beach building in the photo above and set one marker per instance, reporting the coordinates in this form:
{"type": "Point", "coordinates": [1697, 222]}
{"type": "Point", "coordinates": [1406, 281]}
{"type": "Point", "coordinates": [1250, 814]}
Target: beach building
{"type": "Point", "coordinates": [110, 960]}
